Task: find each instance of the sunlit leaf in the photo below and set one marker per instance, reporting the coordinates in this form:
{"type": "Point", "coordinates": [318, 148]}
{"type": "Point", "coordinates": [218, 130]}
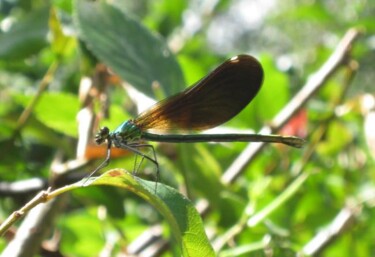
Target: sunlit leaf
{"type": "Point", "coordinates": [55, 110]}
{"type": "Point", "coordinates": [183, 218]}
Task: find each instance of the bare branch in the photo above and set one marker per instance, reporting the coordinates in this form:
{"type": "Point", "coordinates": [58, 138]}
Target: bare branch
{"type": "Point", "coordinates": [316, 81]}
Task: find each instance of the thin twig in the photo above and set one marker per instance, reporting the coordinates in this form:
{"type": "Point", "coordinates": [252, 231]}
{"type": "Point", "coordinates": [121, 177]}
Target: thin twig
{"type": "Point", "coordinates": [339, 224]}
{"type": "Point", "coordinates": [25, 115]}
{"type": "Point", "coordinates": [41, 197]}
{"type": "Point", "coordinates": [40, 217]}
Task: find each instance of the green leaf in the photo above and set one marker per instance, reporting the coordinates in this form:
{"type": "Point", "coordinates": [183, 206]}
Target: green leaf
{"type": "Point", "coordinates": [26, 37]}
{"type": "Point", "coordinates": [59, 41]}
{"type": "Point", "coordinates": [183, 218]}
{"type": "Point", "coordinates": [130, 49]}
{"type": "Point", "coordinates": [338, 136]}
{"type": "Point", "coordinates": [55, 110]}
{"type": "Point", "coordinates": [88, 240]}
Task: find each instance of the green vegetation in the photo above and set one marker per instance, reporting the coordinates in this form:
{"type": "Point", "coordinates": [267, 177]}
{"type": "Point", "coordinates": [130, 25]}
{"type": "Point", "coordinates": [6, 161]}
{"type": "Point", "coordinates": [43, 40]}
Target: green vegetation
{"type": "Point", "coordinates": [68, 68]}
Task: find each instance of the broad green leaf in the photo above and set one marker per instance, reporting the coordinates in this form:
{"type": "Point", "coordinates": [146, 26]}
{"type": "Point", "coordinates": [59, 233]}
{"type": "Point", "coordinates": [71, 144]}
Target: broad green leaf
{"type": "Point", "coordinates": [58, 111]}
{"type": "Point", "coordinates": [55, 110]}
{"type": "Point", "coordinates": [26, 37]}
{"type": "Point", "coordinates": [183, 218]}
{"type": "Point", "coordinates": [181, 215]}
{"type": "Point", "coordinates": [130, 49]}
{"type": "Point", "coordinates": [88, 240]}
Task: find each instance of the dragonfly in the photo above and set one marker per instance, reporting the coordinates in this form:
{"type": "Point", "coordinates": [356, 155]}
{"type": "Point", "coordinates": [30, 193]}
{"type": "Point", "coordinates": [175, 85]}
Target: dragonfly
{"type": "Point", "coordinates": [210, 102]}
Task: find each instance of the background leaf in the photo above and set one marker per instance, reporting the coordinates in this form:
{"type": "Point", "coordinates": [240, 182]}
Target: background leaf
{"type": "Point", "coordinates": [138, 56]}
{"type": "Point", "coordinates": [56, 110]}
{"type": "Point", "coordinates": [26, 37]}
{"type": "Point", "coordinates": [292, 39]}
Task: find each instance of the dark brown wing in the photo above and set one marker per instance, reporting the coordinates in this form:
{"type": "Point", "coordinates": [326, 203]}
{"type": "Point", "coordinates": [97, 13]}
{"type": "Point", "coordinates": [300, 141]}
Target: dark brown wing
{"type": "Point", "coordinates": [210, 102]}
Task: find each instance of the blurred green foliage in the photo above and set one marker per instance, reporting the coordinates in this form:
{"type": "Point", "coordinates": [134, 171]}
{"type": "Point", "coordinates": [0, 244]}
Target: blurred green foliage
{"type": "Point", "coordinates": [176, 43]}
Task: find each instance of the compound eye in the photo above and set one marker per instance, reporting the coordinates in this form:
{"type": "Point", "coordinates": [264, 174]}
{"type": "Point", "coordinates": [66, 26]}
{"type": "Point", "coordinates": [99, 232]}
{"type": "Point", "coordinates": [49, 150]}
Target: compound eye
{"type": "Point", "coordinates": [102, 135]}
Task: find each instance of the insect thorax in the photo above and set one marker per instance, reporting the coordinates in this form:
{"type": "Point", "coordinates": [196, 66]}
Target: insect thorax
{"type": "Point", "coordinates": [127, 132]}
